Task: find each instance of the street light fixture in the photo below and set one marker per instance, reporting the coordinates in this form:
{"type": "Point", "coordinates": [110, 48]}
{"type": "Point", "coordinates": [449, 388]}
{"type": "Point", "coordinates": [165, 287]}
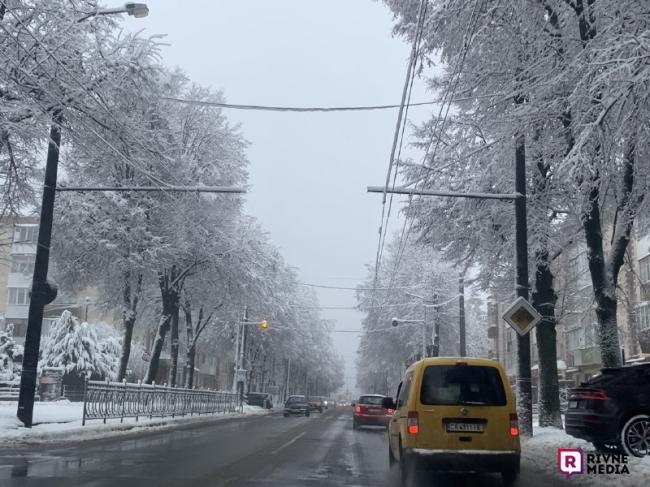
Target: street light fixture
{"type": "Point", "coordinates": [137, 10]}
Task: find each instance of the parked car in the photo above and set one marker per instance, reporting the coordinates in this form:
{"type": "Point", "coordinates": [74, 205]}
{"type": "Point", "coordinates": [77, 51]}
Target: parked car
{"type": "Point", "coordinates": [261, 399]}
{"type": "Point", "coordinates": [612, 410]}
{"type": "Point", "coordinates": [369, 411]}
{"type": "Point", "coordinates": [296, 405]}
{"type": "Point", "coordinates": [316, 404]}
{"type": "Point", "coordinates": [454, 414]}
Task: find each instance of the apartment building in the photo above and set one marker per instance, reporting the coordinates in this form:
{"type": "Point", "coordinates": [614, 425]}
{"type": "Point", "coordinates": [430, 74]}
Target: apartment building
{"type": "Point", "coordinates": [18, 240]}
{"type": "Point", "coordinates": [577, 326]}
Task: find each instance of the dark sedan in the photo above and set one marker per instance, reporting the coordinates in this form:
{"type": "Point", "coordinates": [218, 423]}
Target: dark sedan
{"type": "Point", "coordinates": [296, 405]}
{"type": "Point", "coordinates": [612, 410]}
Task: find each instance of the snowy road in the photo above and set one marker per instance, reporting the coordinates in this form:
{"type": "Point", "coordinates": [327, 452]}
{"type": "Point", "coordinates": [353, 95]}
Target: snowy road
{"type": "Point", "coordinates": [322, 450]}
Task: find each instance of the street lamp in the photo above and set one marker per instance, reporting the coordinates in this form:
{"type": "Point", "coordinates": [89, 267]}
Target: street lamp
{"type": "Point", "coordinates": [137, 10]}
{"type": "Point", "coordinates": [397, 321]}
{"type": "Point", "coordinates": [43, 291]}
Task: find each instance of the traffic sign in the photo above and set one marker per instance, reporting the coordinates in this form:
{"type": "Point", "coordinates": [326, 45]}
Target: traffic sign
{"type": "Point", "coordinates": [521, 316]}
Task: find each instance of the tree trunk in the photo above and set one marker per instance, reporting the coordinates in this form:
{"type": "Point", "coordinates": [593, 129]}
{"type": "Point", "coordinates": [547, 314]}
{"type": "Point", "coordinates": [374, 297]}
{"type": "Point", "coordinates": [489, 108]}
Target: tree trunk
{"type": "Point", "coordinates": [167, 281]}
{"type": "Point", "coordinates": [163, 328]}
{"type": "Point", "coordinates": [189, 366]}
{"type": "Point", "coordinates": [544, 299]}
{"type": "Point", "coordinates": [129, 316]}
{"type": "Point", "coordinates": [601, 279]}
{"type": "Point", "coordinates": [173, 370]}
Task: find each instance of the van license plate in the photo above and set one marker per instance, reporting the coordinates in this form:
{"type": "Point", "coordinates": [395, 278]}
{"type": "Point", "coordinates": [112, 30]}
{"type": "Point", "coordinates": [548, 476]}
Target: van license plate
{"type": "Point", "coordinates": [454, 427]}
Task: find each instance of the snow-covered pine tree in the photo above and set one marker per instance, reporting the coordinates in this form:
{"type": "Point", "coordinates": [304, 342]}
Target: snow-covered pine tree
{"type": "Point", "coordinates": [79, 350]}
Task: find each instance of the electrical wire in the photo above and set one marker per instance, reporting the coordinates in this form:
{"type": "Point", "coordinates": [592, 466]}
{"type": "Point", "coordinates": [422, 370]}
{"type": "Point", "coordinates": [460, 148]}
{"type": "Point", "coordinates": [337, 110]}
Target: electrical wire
{"type": "Point", "coordinates": [277, 108]}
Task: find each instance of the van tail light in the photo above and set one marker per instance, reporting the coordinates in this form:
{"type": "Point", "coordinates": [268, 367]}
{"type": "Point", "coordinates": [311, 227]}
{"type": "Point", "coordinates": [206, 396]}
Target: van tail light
{"type": "Point", "coordinates": [595, 395]}
{"type": "Point", "coordinates": [357, 409]}
{"type": "Point", "coordinates": [412, 424]}
{"type": "Point", "coordinates": [514, 425]}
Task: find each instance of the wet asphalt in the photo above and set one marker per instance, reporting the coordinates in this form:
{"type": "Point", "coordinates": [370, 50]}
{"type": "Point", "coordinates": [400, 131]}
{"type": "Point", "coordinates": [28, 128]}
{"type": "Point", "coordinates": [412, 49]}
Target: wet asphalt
{"type": "Point", "coordinates": [322, 450]}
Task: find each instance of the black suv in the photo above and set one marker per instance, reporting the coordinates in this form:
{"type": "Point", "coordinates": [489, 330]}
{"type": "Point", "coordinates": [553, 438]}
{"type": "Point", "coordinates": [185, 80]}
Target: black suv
{"type": "Point", "coordinates": [612, 410]}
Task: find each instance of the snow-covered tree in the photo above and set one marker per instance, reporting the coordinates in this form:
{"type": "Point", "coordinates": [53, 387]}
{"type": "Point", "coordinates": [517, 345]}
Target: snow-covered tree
{"type": "Point", "coordinates": [11, 355]}
{"type": "Point", "coordinates": [80, 349]}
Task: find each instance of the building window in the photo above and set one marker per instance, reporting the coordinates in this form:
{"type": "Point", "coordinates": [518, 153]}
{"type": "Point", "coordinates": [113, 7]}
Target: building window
{"type": "Point", "coordinates": [23, 264]}
{"type": "Point", "coordinates": [18, 295]}
{"type": "Point", "coordinates": [26, 234]}
{"type": "Point", "coordinates": [644, 269]}
{"type": "Point", "coordinates": [643, 316]}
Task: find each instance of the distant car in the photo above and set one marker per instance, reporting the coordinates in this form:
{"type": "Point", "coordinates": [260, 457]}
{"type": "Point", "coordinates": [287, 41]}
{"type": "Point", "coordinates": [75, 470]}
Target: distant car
{"type": "Point", "coordinates": [612, 410]}
{"type": "Point", "coordinates": [369, 411]}
{"type": "Point", "coordinates": [296, 405]}
{"type": "Point", "coordinates": [261, 399]}
{"type": "Point", "coordinates": [316, 403]}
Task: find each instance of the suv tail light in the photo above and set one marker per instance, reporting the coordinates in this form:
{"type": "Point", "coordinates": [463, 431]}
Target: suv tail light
{"type": "Point", "coordinates": [357, 409]}
{"type": "Point", "coordinates": [514, 425]}
{"type": "Point", "coordinates": [389, 411]}
{"type": "Point", "coordinates": [412, 424]}
{"type": "Point", "coordinates": [596, 395]}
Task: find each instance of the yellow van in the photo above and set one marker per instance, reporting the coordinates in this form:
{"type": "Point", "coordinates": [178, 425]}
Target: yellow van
{"type": "Point", "coordinates": [454, 414]}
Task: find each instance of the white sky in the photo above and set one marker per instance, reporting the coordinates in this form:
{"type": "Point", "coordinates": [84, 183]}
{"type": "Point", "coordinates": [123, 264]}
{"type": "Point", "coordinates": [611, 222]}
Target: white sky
{"type": "Point", "coordinates": [308, 172]}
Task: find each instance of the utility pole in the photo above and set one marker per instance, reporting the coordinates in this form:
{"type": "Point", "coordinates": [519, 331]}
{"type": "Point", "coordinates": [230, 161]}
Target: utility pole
{"type": "Point", "coordinates": [524, 385]}
{"type": "Point", "coordinates": [286, 389]}
{"type": "Point", "coordinates": [461, 314]}
{"type": "Point", "coordinates": [43, 292]}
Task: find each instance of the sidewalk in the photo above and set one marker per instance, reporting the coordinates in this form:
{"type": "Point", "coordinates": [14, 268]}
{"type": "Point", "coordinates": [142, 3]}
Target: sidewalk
{"type": "Point", "coordinates": [60, 421]}
{"type": "Point", "coordinates": [539, 453]}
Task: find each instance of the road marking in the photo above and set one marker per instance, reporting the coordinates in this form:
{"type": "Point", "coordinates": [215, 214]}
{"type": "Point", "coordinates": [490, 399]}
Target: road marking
{"type": "Point", "coordinates": [288, 443]}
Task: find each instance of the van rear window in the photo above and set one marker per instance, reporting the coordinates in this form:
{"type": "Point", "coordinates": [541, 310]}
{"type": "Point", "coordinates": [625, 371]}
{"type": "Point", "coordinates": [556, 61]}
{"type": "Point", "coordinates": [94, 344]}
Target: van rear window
{"type": "Point", "coordinates": [462, 384]}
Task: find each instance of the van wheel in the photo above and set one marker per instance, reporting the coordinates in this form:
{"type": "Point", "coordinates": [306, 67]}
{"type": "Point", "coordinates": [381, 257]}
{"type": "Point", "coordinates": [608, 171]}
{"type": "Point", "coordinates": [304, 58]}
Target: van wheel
{"type": "Point", "coordinates": [510, 475]}
{"type": "Point", "coordinates": [406, 469]}
{"type": "Point", "coordinates": [635, 436]}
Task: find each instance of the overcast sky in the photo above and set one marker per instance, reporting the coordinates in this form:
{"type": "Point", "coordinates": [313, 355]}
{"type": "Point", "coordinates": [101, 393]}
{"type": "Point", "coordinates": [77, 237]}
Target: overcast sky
{"type": "Point", "coordinates": [308, 172]}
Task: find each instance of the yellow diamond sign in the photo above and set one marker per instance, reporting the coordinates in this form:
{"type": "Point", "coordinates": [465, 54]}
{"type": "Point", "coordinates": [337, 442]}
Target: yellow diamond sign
{"type": "Point", "coordinates": [521, 316]}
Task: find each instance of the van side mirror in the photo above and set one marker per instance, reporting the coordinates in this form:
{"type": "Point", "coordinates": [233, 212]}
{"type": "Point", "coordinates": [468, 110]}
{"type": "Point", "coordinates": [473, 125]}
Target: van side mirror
{"type": "Point", "coordinates": [388, 403]}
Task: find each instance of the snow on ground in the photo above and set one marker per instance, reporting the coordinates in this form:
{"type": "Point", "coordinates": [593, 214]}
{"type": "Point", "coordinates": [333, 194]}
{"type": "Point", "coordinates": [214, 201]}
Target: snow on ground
{"type": "Point", "coordinates": [540, 453]}
{"type": "Point", "coordinates": [61, 421]}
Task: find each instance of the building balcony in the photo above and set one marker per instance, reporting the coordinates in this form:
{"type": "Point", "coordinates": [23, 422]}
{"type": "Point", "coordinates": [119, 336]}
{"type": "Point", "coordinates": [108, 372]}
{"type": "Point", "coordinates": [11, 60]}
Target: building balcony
{"type": "Point", "coordinates": [23, 248]}
{"type": "Point", "coordinates": [586, 356]}
{"type": "Point", "coordinates": [19, 279]}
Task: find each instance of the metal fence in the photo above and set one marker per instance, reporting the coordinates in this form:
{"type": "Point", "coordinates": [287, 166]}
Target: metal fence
{"type": "Point", "coordinates": [105, 400]}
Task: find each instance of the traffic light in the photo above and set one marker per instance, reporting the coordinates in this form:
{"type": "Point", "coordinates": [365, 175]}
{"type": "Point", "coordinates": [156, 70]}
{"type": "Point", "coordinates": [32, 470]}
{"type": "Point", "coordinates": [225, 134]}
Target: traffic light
{"type": "Point", "coordinates": [264, 325]}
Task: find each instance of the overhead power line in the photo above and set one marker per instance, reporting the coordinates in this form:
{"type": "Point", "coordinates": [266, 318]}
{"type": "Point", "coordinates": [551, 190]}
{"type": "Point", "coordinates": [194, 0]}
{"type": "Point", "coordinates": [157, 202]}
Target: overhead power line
{"type": "Point", "coordinates": [360, 288]}
{"type": "Point", "coordinates": [277, 108]}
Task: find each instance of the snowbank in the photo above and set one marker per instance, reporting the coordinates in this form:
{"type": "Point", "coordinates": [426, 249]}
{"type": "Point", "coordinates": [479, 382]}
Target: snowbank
{"type": "Point", "coordinates": [539, 453]}
{"type": "Point", "coordinates": [61, 421]}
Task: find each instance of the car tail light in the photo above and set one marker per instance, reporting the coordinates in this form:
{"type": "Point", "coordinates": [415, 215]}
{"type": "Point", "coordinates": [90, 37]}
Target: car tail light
{"type": "Point", "coordinates": [412, 425]}
{"type": "Point", "coordinates": [357, 409]}
{"type": "Point", "coordinates": [598, 396]}
{"type": "Point", "coordinates": [514, 425]}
